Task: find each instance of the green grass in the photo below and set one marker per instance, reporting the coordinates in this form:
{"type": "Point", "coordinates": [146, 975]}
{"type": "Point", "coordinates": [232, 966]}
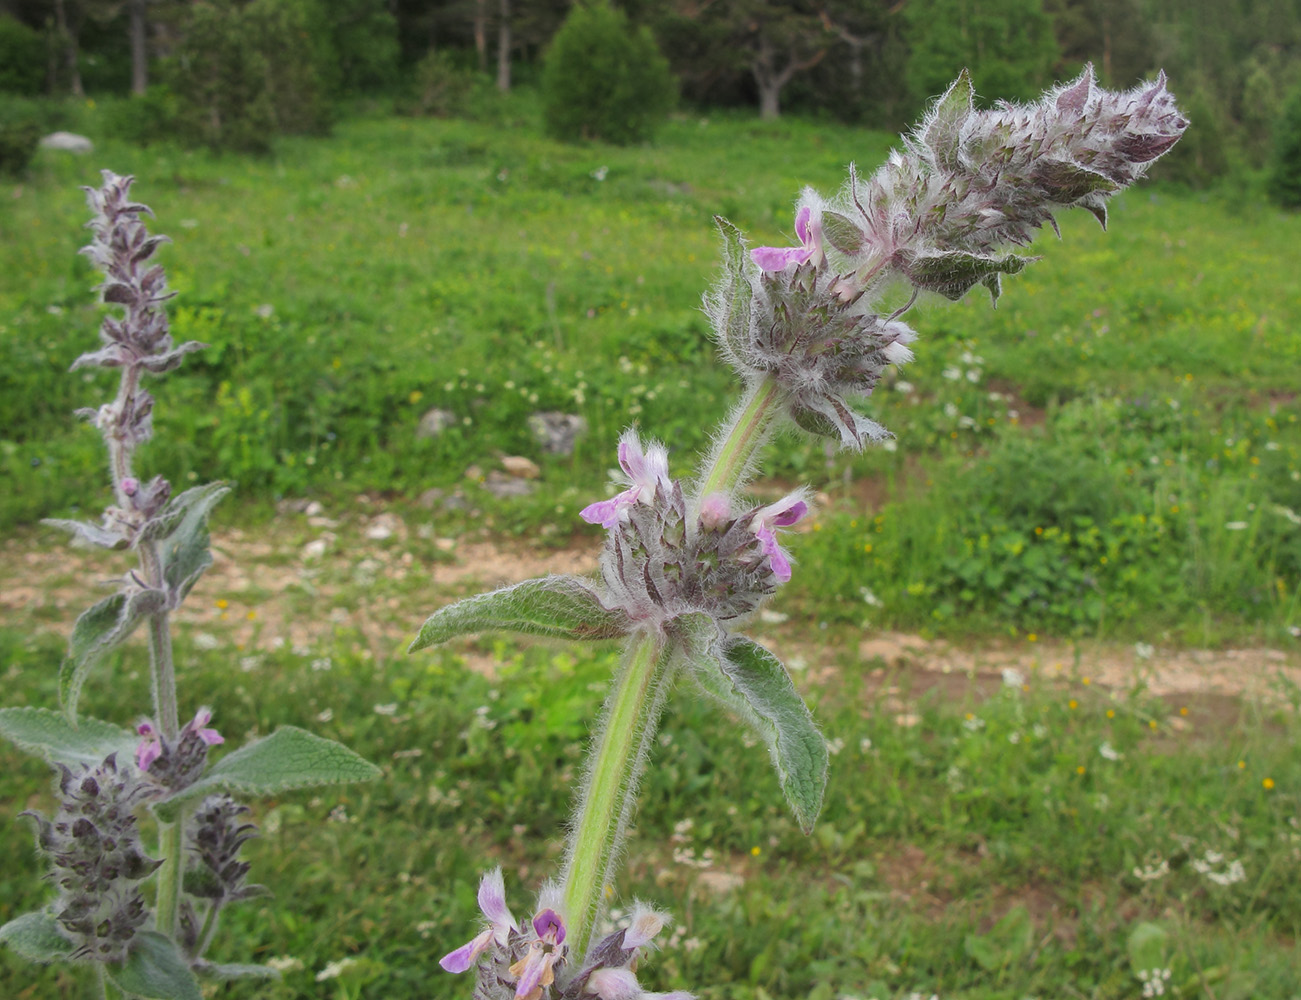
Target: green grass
{"type": "Point", "coordinates": [1132, 395]}
{"type": "Point", "coordinates": [978, 840]}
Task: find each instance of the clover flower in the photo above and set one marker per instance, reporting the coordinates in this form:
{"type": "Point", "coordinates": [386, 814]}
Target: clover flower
{"type": "Point", "coordinates": [179, 766]}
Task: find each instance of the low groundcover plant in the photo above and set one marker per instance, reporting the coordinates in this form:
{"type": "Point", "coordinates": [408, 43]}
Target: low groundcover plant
{"type": "Point", "coordinates": [686, 562]}
{"type": "Point", "coordinates": [109, 777]}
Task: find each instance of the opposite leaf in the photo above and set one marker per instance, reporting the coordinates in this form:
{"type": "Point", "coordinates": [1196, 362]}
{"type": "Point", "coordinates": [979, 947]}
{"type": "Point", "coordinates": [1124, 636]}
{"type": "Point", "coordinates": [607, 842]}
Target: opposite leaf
{"type": "Point", "coordinates": [562, 607]}
{"type": "Point", "coordinates": [50, 735]}
{"type": "Point", "coordinates": [729, 305]}
{"type": "Point", "coordinates": [289, 758]}
{"type": "Point", "coordinates": [155, 970]}
{"type": "Point", "coordinates": [104, 626]}
{"type": "Point", "coordinates": [209, 970]}
{"type": "Point", "coordinates": [751, 681]}
{"type": "Point", "coordinates": [36, 937]}
{"type": "Point", "coordinates": [953, 273]}
{"type": "Point", "coordinates": [184, 551]}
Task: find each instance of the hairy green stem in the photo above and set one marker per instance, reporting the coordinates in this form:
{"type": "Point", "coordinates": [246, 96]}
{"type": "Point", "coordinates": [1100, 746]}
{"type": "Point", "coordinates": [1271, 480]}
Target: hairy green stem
{"type": "Point", "coordinates": [625, 731]}
{"type": "Point", "coordinates": [631, 713]}
{"type": "Point", "coordinates": [162, 672]}
{"type": "Point", "coordinates": [748, 432]}
{"type": "Point", "coordinates": [171, 845]}
{"type": "Point", "coordinates": [101, 985]}
{"type": "Point", "coordinates": [209, 928]}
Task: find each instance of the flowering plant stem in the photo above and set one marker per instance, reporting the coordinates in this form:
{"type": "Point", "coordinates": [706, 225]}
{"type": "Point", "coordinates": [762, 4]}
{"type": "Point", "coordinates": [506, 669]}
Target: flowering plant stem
{"type": "Point", "coordinates": [631, 714]}
{"type": "Point", "coordinates": [627, 725]}
{"type": "Point", "coordinates": [750, 429]}
{"type": "Point", "coordinates": [171, 836]}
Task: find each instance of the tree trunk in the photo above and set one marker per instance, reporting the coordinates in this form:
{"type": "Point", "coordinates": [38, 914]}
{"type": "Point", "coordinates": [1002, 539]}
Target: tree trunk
{"type": "Point", "coordinates": [769, 101]}
{"type": "Point", "coordinates": [481, 33]}
{"type": "Point", "coordinates": [69, 40]}
{"type": "Point", "coordinates": [139, 52]}
{"type": "Point", "coordinates": [503, 49]}
{"type": "Point", "coordinates": [767, 80]}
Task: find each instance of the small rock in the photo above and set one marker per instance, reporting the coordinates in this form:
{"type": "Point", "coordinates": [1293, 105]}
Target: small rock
{"type": "Point", "coordinates": [429, 499]}
{"type": "Point", "coordinates": [314, 509]}
{"type": "Point", "coordinates": [434, 422]}
{"type": "Point", "coordinates": [379, 531]}
{"type": "Point", "coordinates": [521, 467]}
{"type": "Point", "coordinates": [556, 432]}
{"type": "Point", "coordinates": [315, 548]}
{"type": "Point", "coordinates": [295, 506]}
{"type": "Point", "coordinates": [503, 486]}
{"type": "Point", "coordinates": [68, 142]}
{"type": "Point", "coordinates": [445, 544]}
{"type": "Point", "coordinates": [473, 472]}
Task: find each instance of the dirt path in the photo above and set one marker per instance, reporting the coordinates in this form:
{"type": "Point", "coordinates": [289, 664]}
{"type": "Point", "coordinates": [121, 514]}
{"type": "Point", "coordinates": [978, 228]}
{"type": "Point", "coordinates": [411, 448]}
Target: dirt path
{"type": "Point", "coordinates": [376, 576]}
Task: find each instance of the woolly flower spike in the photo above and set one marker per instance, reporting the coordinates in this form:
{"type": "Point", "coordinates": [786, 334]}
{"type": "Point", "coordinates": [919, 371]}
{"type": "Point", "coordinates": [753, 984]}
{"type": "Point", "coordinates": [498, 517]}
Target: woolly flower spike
{"type": "Point", "coordinates": [179, 766]}
{"type": "Point", "coordinates": [536, 970]}
{"type": "Point", "coordinates": [782, 514]}
{"type": "Point", "coordinates": [501, 924]}
{"type": "Point", "coordinates": [97, 858]}
{"type": "Point", "coordinates": [659, 563]}
{"type": "Point", "coordinates": [971, 180]}
{"type": "Point", "coordinates": [645, 470]}
{"type": "Point", "coordinates": [808, 227]}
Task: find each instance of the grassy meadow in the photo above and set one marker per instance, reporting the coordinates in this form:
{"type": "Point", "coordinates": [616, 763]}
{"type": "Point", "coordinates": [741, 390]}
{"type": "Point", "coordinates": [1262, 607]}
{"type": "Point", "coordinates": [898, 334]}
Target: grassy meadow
{"type": "Point", "coordinates": [1113, 455]}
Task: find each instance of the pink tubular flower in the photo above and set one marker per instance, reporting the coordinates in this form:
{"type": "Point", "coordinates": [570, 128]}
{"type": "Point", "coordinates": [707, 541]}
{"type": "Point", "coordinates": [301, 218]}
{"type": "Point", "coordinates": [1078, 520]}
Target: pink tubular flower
{"type": "Point", "coordinates": [781, 514]}
{"type": "Point", "coordinates": [535, 970]}
{"type": "Point", "coordinates": [645, 470]}
{"type": "Point", "coordinates": [809, 230]}
{"type": "Point", "coordinates": [492, 901]}
{"type": "Point", "coordinates": [151, 747]}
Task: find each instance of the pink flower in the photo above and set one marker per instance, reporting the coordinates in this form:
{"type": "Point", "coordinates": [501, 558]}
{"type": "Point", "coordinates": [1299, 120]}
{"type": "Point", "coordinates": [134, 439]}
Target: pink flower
{"type": "Point", "coordinates": [781, 514]}
{"type": "Point", "coordinates": [492, 901]}
{"type": "Point", "coordinates": [151, 747]}
{"type": "Point", "coordinates": [644, 469]}
{"type": "Point", "coordinates": [809, 230]}
{"type": "Point", "coordinates": [535, 970]}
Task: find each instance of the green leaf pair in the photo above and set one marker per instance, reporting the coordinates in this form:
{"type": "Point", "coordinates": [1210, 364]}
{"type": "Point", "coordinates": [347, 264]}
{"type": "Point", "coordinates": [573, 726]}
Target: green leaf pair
{"type": "Point", "coordinates": [181, 533]}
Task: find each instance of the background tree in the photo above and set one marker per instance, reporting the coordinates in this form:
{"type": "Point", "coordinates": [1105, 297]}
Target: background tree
{"type": "Point", "coordinates": [1008, 46]}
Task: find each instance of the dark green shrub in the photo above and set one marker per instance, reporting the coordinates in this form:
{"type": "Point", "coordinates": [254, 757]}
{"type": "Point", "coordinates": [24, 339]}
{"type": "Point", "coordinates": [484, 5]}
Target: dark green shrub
{"type": "Point", "coordinates": [150, 117]}
{"type": "Point", "coordinates": [442, 88]}
{"type": "Point", "coordinates": [604, 79]}
{"type": "Point", "coordinates": [20, 132]}
{"type": "Point", "coordinates": [244, 74]}
{"type": "Point", "coordinates": [1285, 166]}
{"type": "Point", "coordinates": [22, 58]}
{"type": "Point", "coordinates": [364, 36]}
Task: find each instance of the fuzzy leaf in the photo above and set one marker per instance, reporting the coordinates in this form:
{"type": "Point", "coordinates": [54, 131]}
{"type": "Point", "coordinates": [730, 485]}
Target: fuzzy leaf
{"type": "Point", "coordinates": [154, 970]}
{"type": "Point", "coordinates": [288, 758]}
{"type": "Point", "coordinates": [1148, 946]}
{"type": "Point", "coordinates": [1068, 182]}
{"type": "Point", "coordinates": [953, 273]}
{"type": "Point", "coordinates": [943, 131]}
{"type": "Point", "coordinates": [170, 360]}
{"type": "Point", "coordinates": [751, 681]}
{"type": "Point", "coordinates": [35, 936]}
{"type": "Point", "coordinates": [197, 501]}
{"type": "Point", "coordinates": [202, 883]}
{"type": "Point", "coordinates": [841, 232]}
{"type": "Point", "coordinates": [210, 970]}
{"type": "Point", "coordinates": [112, 356]}
{"type": "Point", "coordinates": [830, 416]}
{"type": "Point", "coordinates": [731, 301]}
{"type": "Point", "coordinates": [92, 534]}
{"type": "Point", "coordinates": [104, 626]}
{"type": "Point", "coordinates": [563, 607]}
{"type": "Point", "coordinates": [48, 734]}
{"type": "Point", "coordinates": [184, 551]}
